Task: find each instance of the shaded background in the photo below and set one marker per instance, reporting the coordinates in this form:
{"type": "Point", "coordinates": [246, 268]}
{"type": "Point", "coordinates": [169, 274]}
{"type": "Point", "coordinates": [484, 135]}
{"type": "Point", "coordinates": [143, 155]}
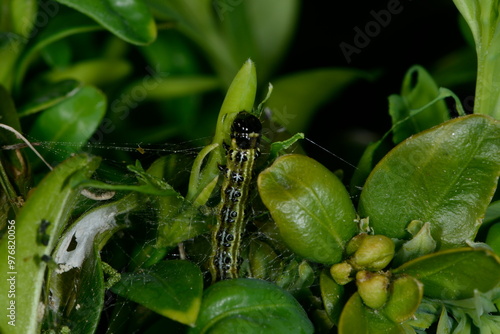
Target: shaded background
{"type": "Point", "coordinates": [422, 33]}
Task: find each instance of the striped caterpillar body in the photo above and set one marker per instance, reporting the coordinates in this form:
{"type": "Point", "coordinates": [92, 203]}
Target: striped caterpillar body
{"type": "Point", "coordinates": [240, 156]}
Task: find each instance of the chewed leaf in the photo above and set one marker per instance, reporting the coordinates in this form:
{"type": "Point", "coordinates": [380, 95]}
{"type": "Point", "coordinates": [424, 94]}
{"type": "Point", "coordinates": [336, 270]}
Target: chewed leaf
{"type": "Point", "coordinates": [445, 176]}
{"type": "Point", "coordinates": [250, 306]}
{"type": "Point", "coordinates": [38, 226]}
{"type": "Point", "coordinates": [310, 205]}
{"type": "Point", "coordinates": [455, 273]}
{"type": "Point", "coordinates": [170, 288]}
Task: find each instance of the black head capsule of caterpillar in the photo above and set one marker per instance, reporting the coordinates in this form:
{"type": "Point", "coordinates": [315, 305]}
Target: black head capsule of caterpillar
{"type": "Point", "coordinates": [245, 130]}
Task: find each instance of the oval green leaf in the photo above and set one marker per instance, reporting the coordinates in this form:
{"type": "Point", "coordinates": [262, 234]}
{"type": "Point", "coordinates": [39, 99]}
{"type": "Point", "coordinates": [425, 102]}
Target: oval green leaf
{"type": "Point", "coordinates": [406, 296]}
{"type": "Point", "coordinates": [455, 273]}
{"type": "Point", "coordinates": [73, 120]}
{"type": "Point", "coordinates": [61, 26]}
{"type": "Point", "coordinates": [357, 318]}
{"type": "Point", "coordinates": [332, 295]}
{"type": "Point", "coordinates": [446, 176]}
{"type": "Point", "coordinates": [250, 306]}
{"type": "Point", "coordinates": [170, 288]}
{"type": "Point", "coordinates": [130, 20]}
{"type": "Point", "coordinates": [310, 205]}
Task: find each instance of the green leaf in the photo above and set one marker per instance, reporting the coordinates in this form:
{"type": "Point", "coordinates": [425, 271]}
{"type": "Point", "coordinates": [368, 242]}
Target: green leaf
{"type": "Point", "coordinates": [446, 176]}
{"type": "Point", "coordinates": [406, 295]}
{"type": "Point", "coordinates": [492, 213]}
{"type": "Point", "coordinates": [130, 20]}
{"type": "Point", "coordinates": [170, 288]}
{"type": "Point", "coordinates": [61, 26]}
{"type": "Point", "coordinates": [240, 96]}
{"type": "Point", "coordinates": [77, 285]}
{"type": "Point", "coordinates": [52, 95]}
{"type": "Point", "coordinates": [249, 33]}
{"type": "Point", "coordinates": [418, 90]}
{"type": "Point", "coordinates": [72, 120]}
{"type": "Point", "coordinates": [52, 200]}
{"type": "Point", "coordinates": [371, 156]}
{"type": "Point", "coordinates": [455, 273]}
{"type": "Point", "coordinates": [332, 295]}
{"type": "Point", "coordinates": [14, 172]}
{"type": "Point", "coordinates": [18, 16]}
{"type": "Point", "coordinates": [58, 54]}
{"type": "Point", "coordinates": [297, 96]}
{"type": "Point", "coordinates": [357, 318]}
{"type": "Point", "coordinates": [493, 238]}
{"type": "Point", "coordinates": [97, 72]}
{"type": "Point", "coordinates": [196, 19]}
{"type": "Point", "coordinates": [421, 243]}
{"type": "Point", "coordinates": [82, 309]}
{"type": "Point", "coordinates": [250, 306]}
{"type": "Point", "coordinates": [483, 19]}
{"type": "Point", "coordinates": [171, 87]}
{"type": "Point", "coordinates": [311, 207]}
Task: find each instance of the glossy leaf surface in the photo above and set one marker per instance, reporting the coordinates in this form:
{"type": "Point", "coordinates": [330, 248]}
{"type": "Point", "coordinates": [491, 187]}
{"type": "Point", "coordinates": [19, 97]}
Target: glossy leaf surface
{"type": "Point", "coordinates": [170, 288]}
{"type": "Point", "coordinates": [130, 20]}
{"type": "Point", "coordinates": [250, 306]}
{"type": "Point", "coordinates": [357, 318]}
{"type": "Point", "coordinates": [310, 205]}
{"type": "Point", "coordinates": [455, 273]}
{"type": "Point", "coordinates": [72, 120]}
{"type": "Point", "coordinates": [445, 176]}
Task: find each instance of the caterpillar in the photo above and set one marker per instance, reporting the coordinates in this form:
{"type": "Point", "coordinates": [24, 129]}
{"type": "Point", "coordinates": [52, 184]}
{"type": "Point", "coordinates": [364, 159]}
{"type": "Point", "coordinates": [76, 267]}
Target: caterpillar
{"type": "Point", "coordinates": [240, 157]}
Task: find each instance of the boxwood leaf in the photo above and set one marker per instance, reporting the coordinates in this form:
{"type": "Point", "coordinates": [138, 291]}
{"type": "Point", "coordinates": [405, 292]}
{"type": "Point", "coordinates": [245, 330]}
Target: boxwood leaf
{"type": "Point", "coordinates": [52, 200]}
{"type": "Point", "coordinates": [61, 26]}
{"type": "Point", "coordinates": [73, 120]}
{"type": "Point", "coordinates": [406, 296]}
{"type": "Point", "coordinates": [357, 318]}
{"type": "Point", "coordinates": [250, 306]}
{"type": "Point", "coordinates": [49, 97]}
{"type": "Point", "coordinates": [455, 273]}
{"type": "Point", "coordinates": [310, 205]}
{"type": "Point", "coordinates": [418, 90]}
{"type": "Point", "coordinates": [170, 288]}
{"type": "Point", "coordinates": [446, 176]}
{"type": "Point", "coordinates": [332, 295]}
{"type": "Point", "coordinates": [264, 38]}
{"type": "Point", "coordinates": [493, 238]}
{"type": "Point", "coordinates": [129, 20]}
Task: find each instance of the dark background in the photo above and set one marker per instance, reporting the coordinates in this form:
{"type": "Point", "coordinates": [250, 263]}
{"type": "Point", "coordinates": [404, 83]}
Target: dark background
{"type": "Point", "coordinates": [422, 33]}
